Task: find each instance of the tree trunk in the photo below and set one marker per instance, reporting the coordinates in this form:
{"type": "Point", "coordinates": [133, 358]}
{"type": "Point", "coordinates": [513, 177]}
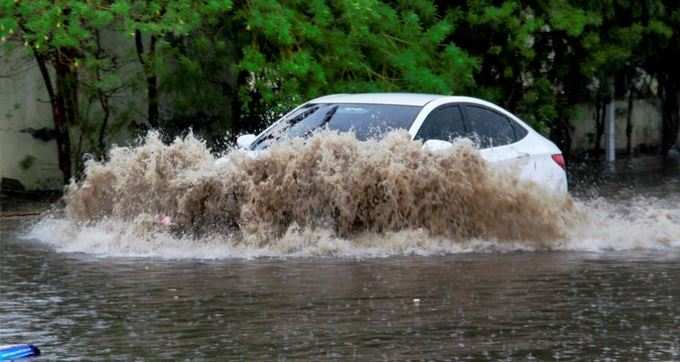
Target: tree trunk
{"type": "Point", "coordinates": [67, 89]}
{"type": "Point", "coordinates": [629, 123]}
{"type": "Point", "coordinates": [147, 62]}
{"type": "Point", "coordinates": [670, 111]}
{"type": "Point", "coordinates": [152, 85]}
{"type": "Point", "coordinates": [59, 118]}
{"type": "Point", "coordinates": [103, 100]}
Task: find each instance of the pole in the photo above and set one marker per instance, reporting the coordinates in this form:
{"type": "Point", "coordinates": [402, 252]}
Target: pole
{"type": "Point", "coordinates": [609, 128]}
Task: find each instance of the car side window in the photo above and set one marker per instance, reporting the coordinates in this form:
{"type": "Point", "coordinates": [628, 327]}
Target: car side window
{"type": "Point", "coordinates": [444, 123]}
{"type": "Point", "coordinates": [491, 128]}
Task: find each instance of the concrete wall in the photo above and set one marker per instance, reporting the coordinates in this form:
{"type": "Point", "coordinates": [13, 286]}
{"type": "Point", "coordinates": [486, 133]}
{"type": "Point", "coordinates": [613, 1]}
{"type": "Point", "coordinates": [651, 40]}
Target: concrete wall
{"type": "Point", "coordinates": [646, 121]}
{"type": "Point", "coordinates": [24, 105]}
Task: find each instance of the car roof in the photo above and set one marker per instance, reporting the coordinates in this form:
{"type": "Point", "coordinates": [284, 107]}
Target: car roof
{"type": "Point", "coordinates": [409, 99]}
{"type": "Point", "coordinates": [405, 99]}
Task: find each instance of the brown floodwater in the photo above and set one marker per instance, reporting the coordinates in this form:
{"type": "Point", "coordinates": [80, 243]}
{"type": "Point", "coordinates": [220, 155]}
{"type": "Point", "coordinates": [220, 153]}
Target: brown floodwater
{"type": "Point", "coordinates": [607, 290]}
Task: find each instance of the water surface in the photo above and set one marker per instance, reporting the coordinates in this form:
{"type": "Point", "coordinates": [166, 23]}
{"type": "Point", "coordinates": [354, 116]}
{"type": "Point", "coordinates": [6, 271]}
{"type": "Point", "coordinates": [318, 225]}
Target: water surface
{"type": "Point", "coordinates": [496, 307]}
{"type": "Point", "coordinates": [604, 303]}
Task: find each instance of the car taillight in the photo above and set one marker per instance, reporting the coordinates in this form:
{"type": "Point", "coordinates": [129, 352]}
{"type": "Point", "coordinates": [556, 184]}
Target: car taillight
{"type": "Point", "coordinates": [559, 159]}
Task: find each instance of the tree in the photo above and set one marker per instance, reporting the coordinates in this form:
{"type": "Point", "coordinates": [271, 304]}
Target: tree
{"type": "Point", "coordinates": [242, 68]}
{"type": "Point", "coordinates": [301, 49]}
{"type": "Point", "coordinates": [529, 53]}
{"type": "Point", "coordinates": [59, 34]}
{"type": "Point", "coordinates": [80, 72]}
{"type": "Point", "coordinates": [659, 51]}
{"type": "Point", "coordinates": [540, 58]}
{"type": "Point", "coordinates": [164, 24]}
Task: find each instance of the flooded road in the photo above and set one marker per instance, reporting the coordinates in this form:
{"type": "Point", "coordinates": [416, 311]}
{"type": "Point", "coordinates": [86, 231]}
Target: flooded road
{"type": "Point", "coordinates": [577, 303]}
{"type": "Point", "coordinates": [515, 306]}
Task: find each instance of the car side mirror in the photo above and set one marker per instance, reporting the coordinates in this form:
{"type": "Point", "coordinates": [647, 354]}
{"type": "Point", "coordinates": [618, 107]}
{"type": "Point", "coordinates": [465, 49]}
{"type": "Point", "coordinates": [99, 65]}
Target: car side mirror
{"type": "Point", "coordinates": [436, 145]}
{"type": "Point", "coordinates": [244, 141]}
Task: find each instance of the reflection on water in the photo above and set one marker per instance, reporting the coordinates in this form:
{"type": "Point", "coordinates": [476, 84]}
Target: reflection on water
{"type": "Point", "coordinates": [642, 176]}
{"type": "Point", "coordinates": [511, 306]}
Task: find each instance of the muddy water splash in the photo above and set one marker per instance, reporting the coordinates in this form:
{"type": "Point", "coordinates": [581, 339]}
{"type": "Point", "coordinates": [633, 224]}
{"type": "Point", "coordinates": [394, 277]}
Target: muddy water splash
{"type": "Point", "coordinates": [330, 195]}
{"type": "Point", "coordinates": [332, 182]}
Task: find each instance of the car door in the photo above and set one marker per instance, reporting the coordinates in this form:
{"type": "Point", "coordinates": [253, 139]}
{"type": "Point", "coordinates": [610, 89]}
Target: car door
{"type": "Point", "coordinates": [497, 136]}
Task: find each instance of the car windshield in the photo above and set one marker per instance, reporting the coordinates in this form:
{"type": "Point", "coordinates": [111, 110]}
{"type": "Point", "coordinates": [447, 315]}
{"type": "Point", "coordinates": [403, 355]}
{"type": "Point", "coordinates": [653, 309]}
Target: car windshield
{"type": "Point", "coordinates": [364, 120]}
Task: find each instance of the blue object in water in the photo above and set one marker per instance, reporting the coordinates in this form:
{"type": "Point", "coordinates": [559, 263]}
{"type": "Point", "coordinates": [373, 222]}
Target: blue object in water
{"type": "Point", "coordinates": [18, 351]}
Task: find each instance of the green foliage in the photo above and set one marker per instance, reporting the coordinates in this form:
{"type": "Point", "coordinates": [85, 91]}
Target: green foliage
{"type": "Point", "coordinates": [225, 66]}
{"type": "Point", "coordinates": [46, 25]}
{"type": "Point", "coordinates": [571, 19]}
{"type": "Point", "coordinates": [300, 50]}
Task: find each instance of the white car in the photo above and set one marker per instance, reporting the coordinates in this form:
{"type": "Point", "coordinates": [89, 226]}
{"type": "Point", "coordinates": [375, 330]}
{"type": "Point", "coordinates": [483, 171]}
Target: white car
{"type": "Point", "coordinates": [504, 140]}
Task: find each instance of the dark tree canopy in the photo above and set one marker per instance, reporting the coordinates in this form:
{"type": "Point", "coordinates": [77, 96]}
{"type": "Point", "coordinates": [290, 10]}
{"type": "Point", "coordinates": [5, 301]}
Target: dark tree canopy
{"type": "Point", "coordinates": [224, 66]}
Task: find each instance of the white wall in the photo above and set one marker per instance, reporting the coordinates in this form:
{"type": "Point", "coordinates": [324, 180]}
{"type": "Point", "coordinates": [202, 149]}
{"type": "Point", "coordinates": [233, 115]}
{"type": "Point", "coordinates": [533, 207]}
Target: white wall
{"type": "Point", "coordinates": [24, 104]}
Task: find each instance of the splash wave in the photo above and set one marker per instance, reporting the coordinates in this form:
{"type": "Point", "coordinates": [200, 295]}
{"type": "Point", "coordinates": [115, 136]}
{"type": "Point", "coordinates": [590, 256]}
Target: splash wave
{"type": "Point", "coordinates": [330, 195]}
